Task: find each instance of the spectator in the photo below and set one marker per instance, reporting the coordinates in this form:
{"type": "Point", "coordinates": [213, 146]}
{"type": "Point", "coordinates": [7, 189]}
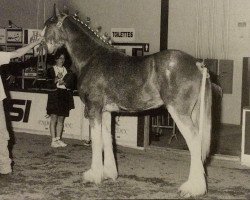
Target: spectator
{"type": "Point", "coordinates": [60, 98]}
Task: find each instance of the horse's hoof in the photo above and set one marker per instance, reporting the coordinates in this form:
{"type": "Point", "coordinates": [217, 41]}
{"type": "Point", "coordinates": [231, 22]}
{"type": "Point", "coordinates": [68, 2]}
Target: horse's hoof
{"type": "Point", "coordinates": [110, 173]}
{"type": "Point", "coordinates": [93, 176]}
{"type": "Point", "coordinates": [192, 189]}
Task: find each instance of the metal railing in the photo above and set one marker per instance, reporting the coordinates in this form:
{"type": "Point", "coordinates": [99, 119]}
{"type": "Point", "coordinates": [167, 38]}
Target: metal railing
{"type": "Point", "coordinates": [163, 121]}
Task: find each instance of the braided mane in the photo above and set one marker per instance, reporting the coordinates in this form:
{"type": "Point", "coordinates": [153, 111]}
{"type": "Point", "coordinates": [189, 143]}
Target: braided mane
{"type": "Point", "coordinates": [92, 34]}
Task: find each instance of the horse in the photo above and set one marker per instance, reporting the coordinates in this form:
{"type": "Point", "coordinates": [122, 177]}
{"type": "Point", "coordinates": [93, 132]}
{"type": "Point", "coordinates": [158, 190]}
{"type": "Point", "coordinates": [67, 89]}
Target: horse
{"type": "Point", "coordinates": [110, 81]}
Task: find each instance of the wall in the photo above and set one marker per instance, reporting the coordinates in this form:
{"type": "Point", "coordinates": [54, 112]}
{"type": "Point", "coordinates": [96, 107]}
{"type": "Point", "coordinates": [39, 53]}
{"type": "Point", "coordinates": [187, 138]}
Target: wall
{"type": "Point", "coordinates": [27, 13]}
{"type": "Point", "coordinates": [183, 36]}
{"type": "Point", "coordinates": [143, 15]}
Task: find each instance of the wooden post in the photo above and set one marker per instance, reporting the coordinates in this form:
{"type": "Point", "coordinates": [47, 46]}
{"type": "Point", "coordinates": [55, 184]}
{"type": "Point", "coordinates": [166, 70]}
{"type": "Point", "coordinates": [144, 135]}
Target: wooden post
{"type": "Point", "coordinates": [146, 130]}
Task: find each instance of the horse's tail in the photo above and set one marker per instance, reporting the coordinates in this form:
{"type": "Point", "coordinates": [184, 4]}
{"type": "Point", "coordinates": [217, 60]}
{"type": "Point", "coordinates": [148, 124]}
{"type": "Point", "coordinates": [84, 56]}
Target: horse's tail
{"type": "Point", "coordinates": [205, 114]}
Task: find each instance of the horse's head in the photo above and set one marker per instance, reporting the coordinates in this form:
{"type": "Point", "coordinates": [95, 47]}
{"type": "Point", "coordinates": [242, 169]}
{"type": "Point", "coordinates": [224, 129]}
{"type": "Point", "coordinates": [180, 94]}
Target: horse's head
{"type": "Point", "coordinates": [53, 33]}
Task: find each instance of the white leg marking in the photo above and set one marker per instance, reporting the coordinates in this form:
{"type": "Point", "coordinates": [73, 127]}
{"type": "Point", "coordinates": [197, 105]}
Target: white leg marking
{"type": "Point", "coordinates": [110, 170]}
{"type": "Point", "coordinates": [196, 183]}
{"type": "Point", "coordinates": [95, 174]}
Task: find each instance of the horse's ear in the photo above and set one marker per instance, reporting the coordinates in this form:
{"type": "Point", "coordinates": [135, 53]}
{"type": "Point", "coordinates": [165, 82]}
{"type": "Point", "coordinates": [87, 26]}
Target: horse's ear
{"type": "Point", "coordinates": [56, 12]}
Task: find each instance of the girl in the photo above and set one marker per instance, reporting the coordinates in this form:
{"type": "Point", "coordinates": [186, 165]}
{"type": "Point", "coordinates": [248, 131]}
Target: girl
{"type": "Point", "coordinates": [60, 98]}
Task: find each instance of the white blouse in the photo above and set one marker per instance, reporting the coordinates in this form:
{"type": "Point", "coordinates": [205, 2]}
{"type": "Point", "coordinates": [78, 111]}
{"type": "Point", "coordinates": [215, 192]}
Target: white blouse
{"type": "Point", "coordinates": [4, 59]}
{"type": "Point", "coordinates": [60, 72]}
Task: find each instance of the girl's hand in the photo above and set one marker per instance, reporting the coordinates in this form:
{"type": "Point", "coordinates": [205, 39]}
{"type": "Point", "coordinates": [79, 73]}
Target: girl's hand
{"type": "Point", "coordinates": [61, 82]}
{"type": "Point", "coordinates": [56, 80]}
{"type": "Point", "coordinates": [60, 75]}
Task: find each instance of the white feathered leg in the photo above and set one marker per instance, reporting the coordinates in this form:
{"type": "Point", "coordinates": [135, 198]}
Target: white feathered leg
{"type": "Point", "coordinates": [110, 170]}
{"type": "Point", "coordinates": [196, 183]}
{"type": "Point", "coordinates": [95, 173]}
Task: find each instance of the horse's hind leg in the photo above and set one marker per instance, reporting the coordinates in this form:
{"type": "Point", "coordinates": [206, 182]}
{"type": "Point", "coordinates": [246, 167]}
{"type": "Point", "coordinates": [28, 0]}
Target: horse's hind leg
{"type": "Point", "coordinates": [95, 173]}
{"type": "Point", "coordinates": [110, 170]}
{"type": "Point", "coordinates": [196, 183]}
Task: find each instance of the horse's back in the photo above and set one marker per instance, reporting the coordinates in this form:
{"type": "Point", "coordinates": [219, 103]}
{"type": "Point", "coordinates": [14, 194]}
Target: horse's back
{"type": "Point", "coordinates": [139, 83]}
{"type": "Point", "coordinates": [173, 60]}
{"type": "Point", "coordinates": [166, 77]}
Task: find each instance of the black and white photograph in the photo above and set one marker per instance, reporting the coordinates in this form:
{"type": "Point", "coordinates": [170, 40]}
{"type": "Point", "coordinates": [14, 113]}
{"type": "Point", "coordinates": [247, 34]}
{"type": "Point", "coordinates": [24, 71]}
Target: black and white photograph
{"type": "Point", "coordinates": [124, 99]}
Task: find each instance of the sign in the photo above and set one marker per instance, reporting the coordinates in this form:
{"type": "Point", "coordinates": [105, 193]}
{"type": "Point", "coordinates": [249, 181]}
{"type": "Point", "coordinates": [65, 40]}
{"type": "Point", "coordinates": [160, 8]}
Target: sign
{"type": "Point", "coordinates": [28, 114]}
{"type": "Point", "coordinates": [31, 35]}
{"type": "Point", "coordinates": [19, 110]}
{"type": "Point", "coordinates": [146, 47]}
{"type": "Point", "coordinates": [122, 35]}
{"type": "Point", "coordinates": [126, 131]}
{"type": "Point", "coordinates": [132, 49]}
{"type": "Point", "coordinates": [2, 36]}
{"type": "Point", "coordinates": [14, 35]}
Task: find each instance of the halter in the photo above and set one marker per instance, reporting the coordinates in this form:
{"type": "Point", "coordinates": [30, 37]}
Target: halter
{"type": "Point", "coordinates": [60, 22]}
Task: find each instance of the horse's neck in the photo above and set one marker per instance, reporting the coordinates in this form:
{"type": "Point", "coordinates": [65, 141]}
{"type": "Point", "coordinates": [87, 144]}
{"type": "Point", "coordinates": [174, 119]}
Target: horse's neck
{"type": "Point", "coordinates": [81, 46]}
{"type": "Point", "coordinates": [80, 57]}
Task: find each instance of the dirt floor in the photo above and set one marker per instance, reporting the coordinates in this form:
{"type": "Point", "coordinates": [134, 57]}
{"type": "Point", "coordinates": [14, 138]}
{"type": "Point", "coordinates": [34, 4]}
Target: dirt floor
{"type": "Point", "coordinates": [41, 172]}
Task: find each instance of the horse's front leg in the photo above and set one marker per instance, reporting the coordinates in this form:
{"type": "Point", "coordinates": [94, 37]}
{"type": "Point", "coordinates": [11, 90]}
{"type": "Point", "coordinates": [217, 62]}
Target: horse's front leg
{"type": "Point", "coordinates": [95, 173]}
{"type": "Point", "coordinates": [110, 170]}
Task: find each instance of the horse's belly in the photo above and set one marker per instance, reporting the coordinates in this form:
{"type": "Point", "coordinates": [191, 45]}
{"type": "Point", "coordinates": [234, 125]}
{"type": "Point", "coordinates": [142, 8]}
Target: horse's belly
{"type": "Point", "coordinates": [140, 103]}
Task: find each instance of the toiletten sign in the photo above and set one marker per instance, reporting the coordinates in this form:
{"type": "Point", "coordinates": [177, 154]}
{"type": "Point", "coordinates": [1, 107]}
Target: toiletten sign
{"type": "Point", "coordinates": [122, 35]}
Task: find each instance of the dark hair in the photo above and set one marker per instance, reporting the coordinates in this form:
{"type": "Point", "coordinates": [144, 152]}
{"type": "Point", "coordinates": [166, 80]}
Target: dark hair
{"type": "Point", "coordinates": [63, 51]}
{"type": "Point", "coordinates": [59, 52]}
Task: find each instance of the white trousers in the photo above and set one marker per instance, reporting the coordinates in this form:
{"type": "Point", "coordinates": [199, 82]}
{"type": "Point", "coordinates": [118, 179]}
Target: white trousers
{"type": "Point", "coordinates": [5, 161]}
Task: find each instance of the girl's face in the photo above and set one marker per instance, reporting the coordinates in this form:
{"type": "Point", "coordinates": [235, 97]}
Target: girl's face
{"type": "Point", "coordinates": [60, 60]}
